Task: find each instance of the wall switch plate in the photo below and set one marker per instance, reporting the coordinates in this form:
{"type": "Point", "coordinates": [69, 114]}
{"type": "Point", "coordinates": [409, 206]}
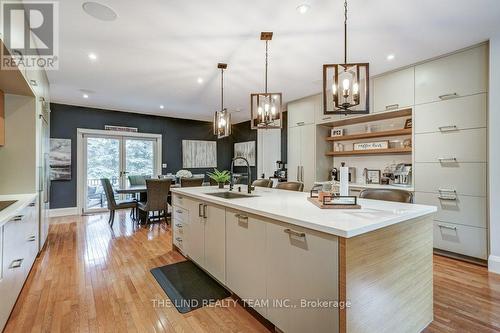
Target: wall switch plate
{"type": "Point", "coordinates": [164, 165]}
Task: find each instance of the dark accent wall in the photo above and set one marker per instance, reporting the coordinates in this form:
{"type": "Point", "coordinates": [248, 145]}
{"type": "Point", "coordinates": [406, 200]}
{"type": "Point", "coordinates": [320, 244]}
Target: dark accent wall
{"type": "Point", "coordinates": [65, 119]}
{"type": "Point", "coordinates": [241, 133]}
{"type": "Point", "coordinates": [284, 138]}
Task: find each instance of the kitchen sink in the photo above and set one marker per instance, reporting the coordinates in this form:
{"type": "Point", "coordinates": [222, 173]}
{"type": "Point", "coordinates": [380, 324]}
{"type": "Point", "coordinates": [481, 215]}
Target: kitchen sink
{"type": "Point", "coordinates": [231, 195]}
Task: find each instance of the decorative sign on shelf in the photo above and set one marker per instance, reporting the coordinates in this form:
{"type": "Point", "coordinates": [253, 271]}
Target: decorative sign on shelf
{"type": "Point", "coordinates": [371, 145]}
{"type": "Point", "coordinates": [120, 128]}
{"type": "Point", "coordinates": [337, 132]}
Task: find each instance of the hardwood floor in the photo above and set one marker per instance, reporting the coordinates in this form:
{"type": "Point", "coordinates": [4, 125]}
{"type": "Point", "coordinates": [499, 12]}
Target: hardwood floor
{"type": "Point", "coordinates": [91, 278]}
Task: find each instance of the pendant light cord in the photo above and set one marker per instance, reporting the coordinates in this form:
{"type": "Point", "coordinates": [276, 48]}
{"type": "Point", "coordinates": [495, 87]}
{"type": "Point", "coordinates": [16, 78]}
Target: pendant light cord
{"type": "Point", "coordinates": [345, 32]}
{"type": "Point", "coordinates": [222, 89]}
{"type": "Point", "coordinates": [266, 62]}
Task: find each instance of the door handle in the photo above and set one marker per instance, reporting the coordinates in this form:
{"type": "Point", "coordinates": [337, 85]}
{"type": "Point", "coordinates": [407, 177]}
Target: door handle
{"type": "Point", "coordinates": [199, 210]}
{"type": "Point", "coordinates": [294, 233]}
{"type": "Point", "coordinates": [392, 107]}
{"type": "Point", "coordinates": [302, 173]}
{"type": "Point", "coordinates": [298, 172]}
{"type": "Point", "coordinates": [204, 211]}
{"type": "Point", "coordinates": [448, 96]}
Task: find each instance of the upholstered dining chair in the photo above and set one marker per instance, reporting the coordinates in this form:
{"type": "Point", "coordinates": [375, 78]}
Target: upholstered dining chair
{"type": "Point", "coordinates": [387, 195]}
{"type": "Point", "coordinates": [291, 186]}
{"type": "Point", "coordinates": [191, 182]}
{"type": "Point", "coordinates": [113, 204]}
{"type": "Point", "coordinates": [263, 183]}
{"type": "Point", "coordinates": [135, 180]}
{"type": "Point", "coordinates": [157, 199]}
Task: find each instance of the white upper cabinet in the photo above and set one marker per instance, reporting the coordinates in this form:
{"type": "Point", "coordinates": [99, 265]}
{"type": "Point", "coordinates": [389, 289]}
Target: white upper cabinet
{"type": "Point", "coordinates": [303, 111]}
{"type": "Point", "coordinates": [394, 90]}
{"type": "Point", "coordinates": [461, 74]}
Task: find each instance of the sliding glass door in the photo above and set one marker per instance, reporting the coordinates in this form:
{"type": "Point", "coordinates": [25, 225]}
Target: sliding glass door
{"type": "Point", "coordinates": [115, 158]}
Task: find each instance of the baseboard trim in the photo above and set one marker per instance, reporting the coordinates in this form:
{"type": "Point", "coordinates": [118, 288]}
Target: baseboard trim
{"type": "Point", "coordinates": [58, 212]}
{"type": "Point", "coordinates": [494, 264]}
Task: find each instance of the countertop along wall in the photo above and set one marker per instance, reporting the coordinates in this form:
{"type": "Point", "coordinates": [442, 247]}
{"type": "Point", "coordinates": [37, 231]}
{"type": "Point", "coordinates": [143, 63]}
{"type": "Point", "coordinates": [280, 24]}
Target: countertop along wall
{"type": "Point", "coordinates": [65, 119]}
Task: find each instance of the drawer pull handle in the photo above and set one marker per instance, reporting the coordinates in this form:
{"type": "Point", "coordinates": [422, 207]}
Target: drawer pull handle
{"type": "Point", "coordinates": [446, 190]}
{"type": "Point", "coordinates": [448, 96]}
{"type": "Point", "coordinates": [295, 233]}
{"type": "Point", "coordinates": [16, 263]}
{"type": "Point", "coordinates": [178, 211]}
{"type": "Point", "coordinates": [300, 123]}
{"type": "Point", "coordinates": [447, 198]}
{"type": "Point", "coordinates": [447, 159]}
{"type": "Point", "coordinates": [240, 216]}
{"type": "Point", "coordinates": [392, 107]}
{"type": "Point", "coordinates": [448, 128]}
{"type": "Point", "coordinates": [178, 225]}
{"type": "Point", "coordinates": [17, 218]}
{"type": "Point", "coordinates": [447, 227]}
{"type": "Point", "coordinates": [179, 239]}
{"type": "Point", "coordinates": [326, 118]}
{"type": "Point", "coordinates": [179, 197]}
{"type": "Point", "coordinates": [31, 239]}
{"type": "Point", "coordinates": [32, 204]}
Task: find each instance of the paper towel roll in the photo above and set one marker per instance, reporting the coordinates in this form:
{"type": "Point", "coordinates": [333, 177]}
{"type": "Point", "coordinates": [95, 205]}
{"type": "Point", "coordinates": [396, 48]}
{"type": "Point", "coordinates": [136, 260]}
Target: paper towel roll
{"type": "Point", "coordinates": [344, 181]}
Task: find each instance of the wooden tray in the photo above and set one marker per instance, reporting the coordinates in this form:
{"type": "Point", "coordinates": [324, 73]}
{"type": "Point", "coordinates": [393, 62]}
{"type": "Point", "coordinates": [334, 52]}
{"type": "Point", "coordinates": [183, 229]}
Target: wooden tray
{"type": "Point", "coordinates": [320, 205]}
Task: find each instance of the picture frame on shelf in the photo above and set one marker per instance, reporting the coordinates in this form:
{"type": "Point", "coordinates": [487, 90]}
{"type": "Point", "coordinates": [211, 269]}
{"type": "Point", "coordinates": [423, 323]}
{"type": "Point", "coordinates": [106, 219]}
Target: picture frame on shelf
{"type": "Point", "coordinates": [408, 123]}
{"type": "Point", "coordinates": [335, 132]}
{"type": "Point", "coordinates": [373, 176]}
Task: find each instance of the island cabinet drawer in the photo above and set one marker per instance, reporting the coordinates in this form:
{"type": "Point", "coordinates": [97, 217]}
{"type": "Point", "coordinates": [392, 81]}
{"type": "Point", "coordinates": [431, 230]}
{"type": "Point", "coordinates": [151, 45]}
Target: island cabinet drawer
{"type": "Point", "coordinates": [464, 178]}
{"type": "Point", "coordinates": [181, 201]}
{"type": "Point", "coordinates": [451, 147]}
{"type": "Point", "coordinates": [461, 74]}
{"type": "Point", "coordinates": [245, 253]}
{"type": "Point", "coordinates": [451, 115]}
{"type": "Point", "coordinates": [458, 209]}
{"type": "Point", "coordinates": [461, 239]}
{"type": "Point", "coordinates": [180, 214]}
{"type": "Point", "coordinates": [302, 265]}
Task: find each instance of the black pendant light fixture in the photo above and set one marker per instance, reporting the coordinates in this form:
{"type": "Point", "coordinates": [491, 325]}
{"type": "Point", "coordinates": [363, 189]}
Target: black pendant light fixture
{"type": "Point", "coordinates": [345, 86]}
{"type": "Point", "coordinates": [266, 108]}
{"type": "Point", "coordinates": [222, 118]}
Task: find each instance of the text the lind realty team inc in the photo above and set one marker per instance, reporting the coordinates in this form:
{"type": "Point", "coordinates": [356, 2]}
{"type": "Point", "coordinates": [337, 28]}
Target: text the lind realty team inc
{"type": "Point", "coordinates": [254, 303]}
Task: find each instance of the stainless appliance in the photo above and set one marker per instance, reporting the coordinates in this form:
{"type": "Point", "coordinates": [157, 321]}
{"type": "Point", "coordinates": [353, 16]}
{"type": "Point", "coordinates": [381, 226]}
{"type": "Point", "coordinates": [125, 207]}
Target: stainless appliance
{"type": "Point", "coordinates": [403, 174]}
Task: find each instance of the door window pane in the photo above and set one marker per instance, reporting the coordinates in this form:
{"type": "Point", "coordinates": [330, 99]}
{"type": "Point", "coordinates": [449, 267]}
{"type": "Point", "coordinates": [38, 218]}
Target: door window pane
{"type": "Point", "coordinates": [139, 157]}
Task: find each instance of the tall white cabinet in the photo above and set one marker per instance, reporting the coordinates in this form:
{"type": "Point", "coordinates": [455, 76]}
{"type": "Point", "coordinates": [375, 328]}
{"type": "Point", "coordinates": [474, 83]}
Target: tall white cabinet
{"type": "Point", "coordinates": [450, 142]}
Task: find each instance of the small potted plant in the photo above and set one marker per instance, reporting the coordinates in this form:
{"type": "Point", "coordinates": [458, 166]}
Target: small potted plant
{"type": "Point", "coordinates": [221, 177]}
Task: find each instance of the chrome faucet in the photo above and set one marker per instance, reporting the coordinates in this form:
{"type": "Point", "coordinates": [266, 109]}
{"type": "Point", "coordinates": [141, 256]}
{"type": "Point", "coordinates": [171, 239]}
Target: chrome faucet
{"type": "Point", "coordinates": [249, 172]}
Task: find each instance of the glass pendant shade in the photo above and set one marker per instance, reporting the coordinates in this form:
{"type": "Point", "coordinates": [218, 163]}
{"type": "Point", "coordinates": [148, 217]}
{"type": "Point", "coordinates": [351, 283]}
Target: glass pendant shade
{"type": "Point", "coordinates": [222, 118]}
{"type": "Point", "coordinates": [346, 88]}
{"type": "Point", "coordinates": [222, 124]}
{"type": "Point", "coordinates": [266, 110]}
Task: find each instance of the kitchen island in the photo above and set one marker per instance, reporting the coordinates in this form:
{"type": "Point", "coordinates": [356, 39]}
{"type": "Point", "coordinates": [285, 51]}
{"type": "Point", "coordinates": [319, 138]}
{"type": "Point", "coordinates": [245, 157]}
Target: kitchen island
{"type": "Point", "coordinates": [307, 269]}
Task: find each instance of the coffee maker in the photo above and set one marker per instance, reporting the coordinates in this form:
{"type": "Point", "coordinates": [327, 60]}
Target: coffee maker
{"type": "Point", "coordinates": [336, 174]}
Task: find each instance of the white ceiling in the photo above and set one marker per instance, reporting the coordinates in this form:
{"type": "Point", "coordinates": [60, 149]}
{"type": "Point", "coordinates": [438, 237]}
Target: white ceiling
{"type": "Point", "coordinates": [156, 49]}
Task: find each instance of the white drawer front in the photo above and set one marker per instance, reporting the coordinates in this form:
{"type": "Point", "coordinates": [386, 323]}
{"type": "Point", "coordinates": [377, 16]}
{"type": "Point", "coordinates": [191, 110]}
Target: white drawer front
{"type": "Point", "coordinates": [464, 73]}
{"type": "Point", "coordinates": [178, 241]}
{"type": "Point", "coordinates": [180, 214]}
{"type": "Point", "coordinates": [464, 146]}
{"type": "Point", "coordinates": [178, 227]}
{"type": "Point", "coordinates": [465, 178]}
{"type": "Point", "coordinates": [394, 91]}
{"type": "Point", "coordinates": [179, 201]}
{"type": "Point", "coordinates": [453, 114]}
{"type": "Point", "coordinates": [466, 240]}
{"type": "Point", "coordinates": [464, 210]}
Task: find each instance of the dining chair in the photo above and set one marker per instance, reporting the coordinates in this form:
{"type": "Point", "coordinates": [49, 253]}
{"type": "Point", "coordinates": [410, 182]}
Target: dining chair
{"type": "Point", "coordinates": [263, 183]}
{"type": "Point", "coordinates": [291, 186]}
{"type": "Point", "coordinates": [112, 203]}
{"type": "Point", "coordinates": [135, 180]}
{"type": "Point", "coordinates": [387, 195]}
{"type": "Point", "coordinates": [191, 182]}
{"type": "Point", "coordinates": [157, 199]}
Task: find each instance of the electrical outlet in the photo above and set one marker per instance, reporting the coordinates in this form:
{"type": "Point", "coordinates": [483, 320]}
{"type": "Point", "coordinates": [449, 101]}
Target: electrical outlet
{"type": "Point", "coordinates": [164, 165]}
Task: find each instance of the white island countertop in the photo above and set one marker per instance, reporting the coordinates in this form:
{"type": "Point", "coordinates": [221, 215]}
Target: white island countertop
{"type": "Point", "coordinates": [294, 208]}
{"type": "Point", "coordinates": [22, 200]}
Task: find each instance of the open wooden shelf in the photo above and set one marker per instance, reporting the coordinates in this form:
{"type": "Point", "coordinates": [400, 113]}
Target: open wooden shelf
{"type": "Point", "coordinates": [372, 117]}
{"type": "Point", "coordinates": [388, 151]}
{"type": "Point", "coordinates": [398, 132]}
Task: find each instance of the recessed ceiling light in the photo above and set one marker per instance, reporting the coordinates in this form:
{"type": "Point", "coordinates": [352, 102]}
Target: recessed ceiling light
{"type": "Point", "coordinates": [162, 106]}
{"type": "Point", "coordinates": [85, 96]}
{"type": "Point", "coordinates": [92, 56]}
{"type": "Point", "coordinates": [200, 80]}
{"type": "Point", "coordinates": [390, 57]}
{"type": "Point", "coordinates": [99, 11]}
{"type": "Point", "coordinates": [303, 7]}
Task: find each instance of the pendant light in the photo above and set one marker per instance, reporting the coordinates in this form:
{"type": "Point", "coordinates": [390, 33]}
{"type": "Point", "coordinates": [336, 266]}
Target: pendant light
{"type": "Point", "coordinates": [266, 108]}
{"type": "Point", "coordinates": [222, 118]}
{"type": "Point", "coordinates": [345, 86]}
